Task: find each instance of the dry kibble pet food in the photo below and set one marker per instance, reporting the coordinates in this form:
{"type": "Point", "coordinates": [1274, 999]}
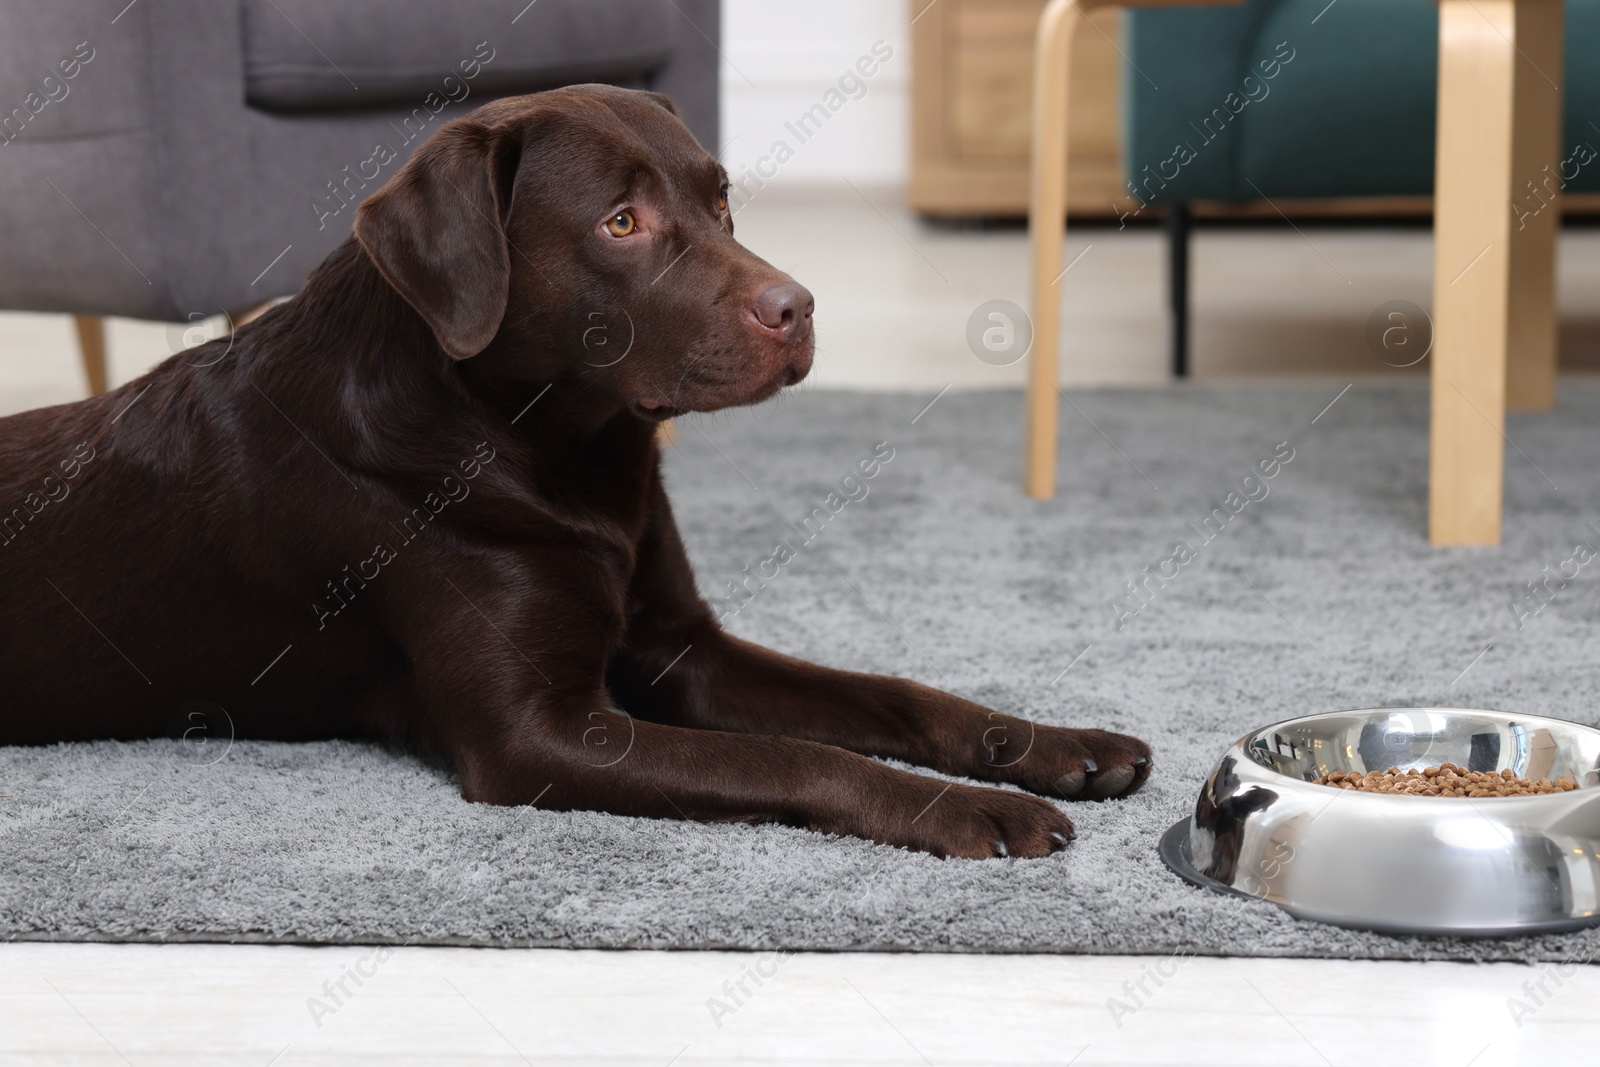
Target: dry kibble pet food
{"type": "Point", "coordinates": [1446, 780]}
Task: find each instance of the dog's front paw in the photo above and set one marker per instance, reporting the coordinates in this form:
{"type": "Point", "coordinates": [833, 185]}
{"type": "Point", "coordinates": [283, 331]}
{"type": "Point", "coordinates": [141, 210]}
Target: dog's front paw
{"type": "Point", "coordinates": [977, 823]}
{"type": "Point", "coordinates": [1076, 764]}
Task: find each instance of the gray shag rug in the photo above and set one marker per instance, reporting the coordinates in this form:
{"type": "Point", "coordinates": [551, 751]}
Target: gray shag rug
{"type": "Point", "coordinates": [980, 591]}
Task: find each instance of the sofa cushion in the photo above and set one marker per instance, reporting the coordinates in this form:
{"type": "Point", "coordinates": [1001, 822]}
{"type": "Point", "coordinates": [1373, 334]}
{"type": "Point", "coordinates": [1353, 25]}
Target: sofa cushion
{"type": "Point", "coordinates": [327, 55]}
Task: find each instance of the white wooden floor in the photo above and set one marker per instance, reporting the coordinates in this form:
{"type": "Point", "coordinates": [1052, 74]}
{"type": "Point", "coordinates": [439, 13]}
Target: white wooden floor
{"type": "Point", "coordinates": [893, 298]}
{"type": "Point", "coordinates": [252, 1006]}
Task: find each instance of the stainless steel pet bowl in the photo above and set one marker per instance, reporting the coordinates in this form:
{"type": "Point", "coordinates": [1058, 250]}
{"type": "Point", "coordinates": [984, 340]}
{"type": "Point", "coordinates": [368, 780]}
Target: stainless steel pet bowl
{"type": "Point", "coordinates": [1402, 864]}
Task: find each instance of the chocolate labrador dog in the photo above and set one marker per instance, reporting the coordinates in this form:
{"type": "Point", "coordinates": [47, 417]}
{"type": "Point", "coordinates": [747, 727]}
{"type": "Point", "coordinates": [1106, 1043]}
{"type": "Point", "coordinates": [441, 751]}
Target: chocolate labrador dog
{"type": "Point", "coordinates": [420, 502]}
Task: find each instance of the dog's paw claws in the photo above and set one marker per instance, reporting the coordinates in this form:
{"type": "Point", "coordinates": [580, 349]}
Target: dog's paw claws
{"type": "Point", "coordinates": [1110, 783]}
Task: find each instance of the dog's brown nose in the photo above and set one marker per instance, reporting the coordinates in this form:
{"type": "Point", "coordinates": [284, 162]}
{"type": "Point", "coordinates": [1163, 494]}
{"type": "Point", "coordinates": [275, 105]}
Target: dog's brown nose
{"type": "Point", "coordinates": [785, 308]}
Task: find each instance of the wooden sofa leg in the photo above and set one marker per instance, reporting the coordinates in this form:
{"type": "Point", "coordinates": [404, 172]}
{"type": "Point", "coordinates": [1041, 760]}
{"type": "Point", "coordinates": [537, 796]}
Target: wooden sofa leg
{"type": "Point", "coordinates": [92, 345]}
{"type": "Point", "coordinates": [251, 314]}
{"type": "Point", "coordinates": [1047, 227]}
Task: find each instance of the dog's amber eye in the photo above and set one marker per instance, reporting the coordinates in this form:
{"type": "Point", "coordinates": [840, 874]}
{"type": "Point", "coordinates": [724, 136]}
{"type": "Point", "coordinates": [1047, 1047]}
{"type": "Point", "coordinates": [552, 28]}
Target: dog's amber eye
{"type": "Point", "coordinates": [621, 224]}
{"type": "Point", "coordinates": [722, 199]}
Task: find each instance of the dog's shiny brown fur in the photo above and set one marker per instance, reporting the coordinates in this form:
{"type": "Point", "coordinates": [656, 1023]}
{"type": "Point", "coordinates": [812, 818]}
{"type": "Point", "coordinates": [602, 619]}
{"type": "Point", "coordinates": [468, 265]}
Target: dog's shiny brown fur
{"type": "Point", "coordinates": [431, 482]}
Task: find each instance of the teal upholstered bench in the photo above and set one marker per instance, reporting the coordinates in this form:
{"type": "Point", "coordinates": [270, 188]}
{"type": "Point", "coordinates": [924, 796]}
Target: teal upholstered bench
{"type": "Point", "coordinates": [1295, 99]}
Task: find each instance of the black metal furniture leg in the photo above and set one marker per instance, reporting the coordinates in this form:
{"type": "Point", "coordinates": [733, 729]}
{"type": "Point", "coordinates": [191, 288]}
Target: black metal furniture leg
{"type": "Point", "coordinates": [1178, 285]}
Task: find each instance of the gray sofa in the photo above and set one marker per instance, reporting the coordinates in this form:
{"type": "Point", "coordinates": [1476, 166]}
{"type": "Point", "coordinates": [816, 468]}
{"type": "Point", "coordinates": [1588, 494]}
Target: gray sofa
{"type": "Point", "coordinates": [186, 157]}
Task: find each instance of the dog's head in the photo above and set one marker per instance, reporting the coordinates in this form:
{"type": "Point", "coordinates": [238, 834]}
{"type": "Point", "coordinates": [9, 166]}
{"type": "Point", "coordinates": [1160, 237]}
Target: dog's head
{"type": "Point", "coordinates": [583, 236]}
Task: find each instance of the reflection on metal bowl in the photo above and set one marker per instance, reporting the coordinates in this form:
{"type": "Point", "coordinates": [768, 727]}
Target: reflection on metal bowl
{"type": "Point", "coordinates": [1402, 864]}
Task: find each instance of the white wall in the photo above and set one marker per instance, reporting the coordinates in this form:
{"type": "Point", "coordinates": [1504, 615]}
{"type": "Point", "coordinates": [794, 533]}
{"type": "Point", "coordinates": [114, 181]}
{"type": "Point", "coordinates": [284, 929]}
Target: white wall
{"type": "Point", "coordinates": [782, 56]}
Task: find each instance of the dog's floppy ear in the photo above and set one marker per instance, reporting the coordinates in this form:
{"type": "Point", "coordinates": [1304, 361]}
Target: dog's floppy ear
{"type": "Point", "coordinates": [437, 232]}
{"type": "Point", "coordinates": [666, 102]}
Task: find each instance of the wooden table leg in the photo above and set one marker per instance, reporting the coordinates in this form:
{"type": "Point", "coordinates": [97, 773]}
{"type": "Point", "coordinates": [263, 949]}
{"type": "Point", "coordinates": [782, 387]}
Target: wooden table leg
{"type": "Point", "coordinates": [1047, 228]}
{"type": "Point", "coordinates": [1481, 122]}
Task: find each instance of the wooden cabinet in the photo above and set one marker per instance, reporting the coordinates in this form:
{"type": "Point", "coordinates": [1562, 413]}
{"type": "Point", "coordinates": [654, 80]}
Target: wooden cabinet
{"type": "Point", "coordinates": [971, 105]}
